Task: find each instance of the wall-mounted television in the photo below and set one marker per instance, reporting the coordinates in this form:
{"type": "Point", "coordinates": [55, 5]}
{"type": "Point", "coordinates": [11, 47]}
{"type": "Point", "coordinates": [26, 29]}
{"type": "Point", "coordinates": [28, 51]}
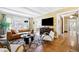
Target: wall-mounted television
{"type": "Point", "coordinates": [47, 22]}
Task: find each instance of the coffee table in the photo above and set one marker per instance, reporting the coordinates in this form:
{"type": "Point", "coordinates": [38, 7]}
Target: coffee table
{"type": "Point", "coordinates": [28, 39]}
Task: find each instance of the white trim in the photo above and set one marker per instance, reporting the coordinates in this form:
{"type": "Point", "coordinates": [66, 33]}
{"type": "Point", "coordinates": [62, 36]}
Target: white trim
{"type": "Point", "coordinates": [58, 17]}
{"type": "Point", "coordinates": [68, 12]}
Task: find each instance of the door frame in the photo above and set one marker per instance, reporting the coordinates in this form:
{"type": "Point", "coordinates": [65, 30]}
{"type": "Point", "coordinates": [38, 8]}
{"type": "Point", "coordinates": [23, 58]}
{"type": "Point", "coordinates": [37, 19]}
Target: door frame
{"type": "Point", "coordinates": [58, 25]}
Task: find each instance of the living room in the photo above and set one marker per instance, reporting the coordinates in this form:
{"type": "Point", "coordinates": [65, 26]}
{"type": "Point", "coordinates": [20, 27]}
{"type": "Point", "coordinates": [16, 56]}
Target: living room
{"type": "Point", "coordinates": [30, 29]}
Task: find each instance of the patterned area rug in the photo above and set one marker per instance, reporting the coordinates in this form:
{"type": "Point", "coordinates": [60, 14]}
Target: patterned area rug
{"type": "Point", "coordinates": [35, 45]}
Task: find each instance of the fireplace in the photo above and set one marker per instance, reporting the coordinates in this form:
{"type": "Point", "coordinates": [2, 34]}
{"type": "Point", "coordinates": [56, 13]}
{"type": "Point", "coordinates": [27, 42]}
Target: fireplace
{"type": "Point", "coordinates": [45, 29]}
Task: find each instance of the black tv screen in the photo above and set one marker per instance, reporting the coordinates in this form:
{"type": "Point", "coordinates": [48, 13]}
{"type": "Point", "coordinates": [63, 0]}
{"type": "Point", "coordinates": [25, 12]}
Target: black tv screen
{"type": "Point", "coordinates": [47, 22]}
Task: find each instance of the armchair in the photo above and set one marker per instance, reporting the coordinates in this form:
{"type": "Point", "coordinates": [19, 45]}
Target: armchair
{"type": "Point", "coordinates": [48, 36]}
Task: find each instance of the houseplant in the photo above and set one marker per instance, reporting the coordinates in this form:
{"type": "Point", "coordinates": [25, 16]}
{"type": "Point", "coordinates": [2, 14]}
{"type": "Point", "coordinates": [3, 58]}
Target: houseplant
{"type": "Point", "coordinates": [4, 26]}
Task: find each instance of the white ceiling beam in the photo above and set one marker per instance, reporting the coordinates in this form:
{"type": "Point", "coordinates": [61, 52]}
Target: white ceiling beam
{"type": "Point", "coordinates": [6, 11]}
{"type": "Point", "coordinates": [28, 11]}
{"type": "Point", "coordinates": [22, 10]}
{"type": "Point", "coordinates": [35, 11]}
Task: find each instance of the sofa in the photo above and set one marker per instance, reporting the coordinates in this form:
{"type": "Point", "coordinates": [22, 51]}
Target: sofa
{"type": "Point", "coordinates": [13, 35]}
{"type": "Point", "coordinates": [1, 45]}
{"type": "Point", "coordinates": [23, 30]}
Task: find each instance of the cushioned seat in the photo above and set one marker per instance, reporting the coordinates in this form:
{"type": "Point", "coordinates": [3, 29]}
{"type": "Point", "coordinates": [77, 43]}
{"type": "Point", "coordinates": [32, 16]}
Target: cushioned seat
{"type": "Point", "coordinates": [48, 37]}
{"type": "Point", "coordinates": [12, 35]}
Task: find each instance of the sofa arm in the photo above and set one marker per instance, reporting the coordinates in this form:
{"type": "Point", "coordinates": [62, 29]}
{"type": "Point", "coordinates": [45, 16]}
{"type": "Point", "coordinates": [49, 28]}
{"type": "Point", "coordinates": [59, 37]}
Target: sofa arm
{"type": "Point", "coordinates": [16, 36]}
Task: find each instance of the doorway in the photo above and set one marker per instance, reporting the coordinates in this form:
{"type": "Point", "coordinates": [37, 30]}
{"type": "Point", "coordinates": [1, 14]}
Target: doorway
{"type": "Point", "coordinates": [72, 32]}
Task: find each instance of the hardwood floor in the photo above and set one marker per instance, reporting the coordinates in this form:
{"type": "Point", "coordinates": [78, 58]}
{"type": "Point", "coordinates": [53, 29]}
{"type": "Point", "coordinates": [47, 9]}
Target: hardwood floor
{"type": "Point", "coordinates": [60, 44]}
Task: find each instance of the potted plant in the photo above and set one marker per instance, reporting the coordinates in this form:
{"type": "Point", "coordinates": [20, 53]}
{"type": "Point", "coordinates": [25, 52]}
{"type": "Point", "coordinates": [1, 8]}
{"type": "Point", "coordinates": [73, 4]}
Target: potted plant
{"type": "Point", "coordinates": [4, 26]}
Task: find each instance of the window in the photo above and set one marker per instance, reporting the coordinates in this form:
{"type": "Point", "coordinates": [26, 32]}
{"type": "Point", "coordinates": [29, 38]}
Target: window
{"type": "Point", "coordinates": [17, 22]}
{"type": "Point", "coordinates": [8, 19]}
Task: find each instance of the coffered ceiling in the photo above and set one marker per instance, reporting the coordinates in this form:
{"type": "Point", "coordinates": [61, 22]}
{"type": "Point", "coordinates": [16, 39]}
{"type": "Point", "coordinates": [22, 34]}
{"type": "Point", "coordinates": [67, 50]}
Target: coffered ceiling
{"type": "Point", "coordinates": [28, 11]}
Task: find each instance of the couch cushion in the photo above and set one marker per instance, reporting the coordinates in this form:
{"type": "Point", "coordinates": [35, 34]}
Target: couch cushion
{"type": "Point", "coordinates": [13, 31]}
{"type": "Point", "coordinates": [23, 30]}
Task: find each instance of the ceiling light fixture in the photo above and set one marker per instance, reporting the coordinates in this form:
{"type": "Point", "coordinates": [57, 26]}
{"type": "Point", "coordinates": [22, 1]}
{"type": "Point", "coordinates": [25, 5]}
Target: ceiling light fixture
{"type": "Point", "coordinates": [71, 16]}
